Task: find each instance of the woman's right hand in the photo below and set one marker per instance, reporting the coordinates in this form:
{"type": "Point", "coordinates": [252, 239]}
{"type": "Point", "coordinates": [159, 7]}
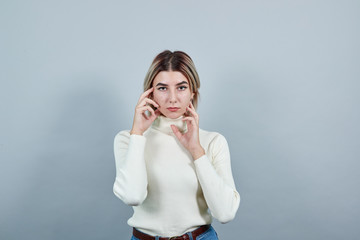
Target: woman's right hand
{"type": "Point", "coordinates": [141, 120]}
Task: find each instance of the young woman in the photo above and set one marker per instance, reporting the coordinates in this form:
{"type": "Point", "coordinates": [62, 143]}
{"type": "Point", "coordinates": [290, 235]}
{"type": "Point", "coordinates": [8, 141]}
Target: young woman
{"type": "Point", "coordinates": [168, 169]}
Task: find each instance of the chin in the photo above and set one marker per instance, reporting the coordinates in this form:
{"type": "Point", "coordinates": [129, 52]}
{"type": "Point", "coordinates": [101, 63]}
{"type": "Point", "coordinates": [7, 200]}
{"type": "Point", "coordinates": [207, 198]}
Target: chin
{"type": "Point", "coordinates": [173, 115]}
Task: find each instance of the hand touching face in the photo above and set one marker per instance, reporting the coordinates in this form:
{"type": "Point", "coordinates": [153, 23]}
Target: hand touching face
{"type": "Point", "coordinates": [141, 120]}
{"type": "Point", "coordinates": [190, 140]}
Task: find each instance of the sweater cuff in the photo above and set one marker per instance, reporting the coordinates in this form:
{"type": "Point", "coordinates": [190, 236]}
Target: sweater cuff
{"type": "Point", "coordinates": [138, 139]}
{"type": "Point", "coordinates": [201, 161]}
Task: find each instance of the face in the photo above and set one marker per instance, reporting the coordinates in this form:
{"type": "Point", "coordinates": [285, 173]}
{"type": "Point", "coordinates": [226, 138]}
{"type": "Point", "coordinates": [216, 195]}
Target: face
{"type": "Point", "coordinates": [172, 93]}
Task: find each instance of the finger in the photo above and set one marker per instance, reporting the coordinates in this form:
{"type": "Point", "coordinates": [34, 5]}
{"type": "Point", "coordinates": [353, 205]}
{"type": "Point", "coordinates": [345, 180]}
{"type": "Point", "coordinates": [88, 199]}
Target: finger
{"type": "Point", "coordinates": [192, 110]}
{"type": "Point", "coordinates": [144, 108]}
{"type": "Point", "coordinates": [176, 131]}
{"type": "Point", "coordinates": [192, 105]}
{"type": "Point", "coordinates": [157, 113]}
{"type": "Point", "coordinates": [190, 119]}
{"type": "Point", "coordinates": [152, 111]}
{"type": "Point", "coordinates": [154, 114]}
{"type": "Point", "coordinates": [149, 101]}
{"type": "Point", "coordinates": [144, 115]}
{"type": "Point", "coordinates": [194, 113]}
{"type": "Point", "coordinates": [145, 94]}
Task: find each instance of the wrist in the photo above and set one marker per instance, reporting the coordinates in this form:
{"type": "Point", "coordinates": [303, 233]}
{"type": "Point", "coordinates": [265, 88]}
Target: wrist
{"type": "Point", "coordinates": [135, 132]}
{"type": "Point", "coordinates": [197, 152]}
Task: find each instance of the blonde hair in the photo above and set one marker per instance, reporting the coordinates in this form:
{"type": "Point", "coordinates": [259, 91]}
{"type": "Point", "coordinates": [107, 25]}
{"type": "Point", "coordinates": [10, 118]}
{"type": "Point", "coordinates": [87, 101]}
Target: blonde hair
{"type": "Point", "coordinates": [175, 61]}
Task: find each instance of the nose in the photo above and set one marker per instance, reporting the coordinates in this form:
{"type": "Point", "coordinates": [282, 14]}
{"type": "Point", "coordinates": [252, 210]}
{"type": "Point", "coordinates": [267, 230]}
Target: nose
{"type": "Point", "coordinates": [173, 97]}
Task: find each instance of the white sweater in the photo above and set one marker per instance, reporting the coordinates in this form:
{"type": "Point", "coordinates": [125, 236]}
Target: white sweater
{"type": "Point", "coordinates": [169, 191]}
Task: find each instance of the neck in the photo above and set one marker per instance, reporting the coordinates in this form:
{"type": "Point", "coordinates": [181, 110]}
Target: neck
{"type": "Point", "coordinates": [163, 124]}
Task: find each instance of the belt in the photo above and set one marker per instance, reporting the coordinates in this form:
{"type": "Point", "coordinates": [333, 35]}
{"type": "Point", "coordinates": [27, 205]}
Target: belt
{"type": "Point", "coordinates": [195, 233]}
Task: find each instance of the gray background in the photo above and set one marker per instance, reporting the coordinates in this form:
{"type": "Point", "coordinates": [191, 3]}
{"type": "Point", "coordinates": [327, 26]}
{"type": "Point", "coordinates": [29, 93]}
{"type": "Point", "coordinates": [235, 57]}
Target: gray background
{"type": "Point", "coordinates": [280, 80]}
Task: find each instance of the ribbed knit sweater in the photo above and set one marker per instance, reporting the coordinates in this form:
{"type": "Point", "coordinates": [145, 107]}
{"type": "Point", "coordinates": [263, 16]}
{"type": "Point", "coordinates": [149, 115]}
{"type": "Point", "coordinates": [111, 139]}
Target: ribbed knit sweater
{"type": "Point", "coordinates": [170, 192]}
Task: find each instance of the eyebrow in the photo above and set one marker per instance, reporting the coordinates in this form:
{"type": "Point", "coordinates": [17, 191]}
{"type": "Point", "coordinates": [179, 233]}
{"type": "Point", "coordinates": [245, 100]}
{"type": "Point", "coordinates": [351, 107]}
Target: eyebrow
{"type": "Point", "coordinates": [163, 84]}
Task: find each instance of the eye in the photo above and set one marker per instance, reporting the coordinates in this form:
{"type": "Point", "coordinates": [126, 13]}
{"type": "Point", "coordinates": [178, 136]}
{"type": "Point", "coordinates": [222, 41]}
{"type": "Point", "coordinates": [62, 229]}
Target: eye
{"type": "Point", "coordinates": [182, 88]}
{"type": "Point", "coordinates": [161, 88]}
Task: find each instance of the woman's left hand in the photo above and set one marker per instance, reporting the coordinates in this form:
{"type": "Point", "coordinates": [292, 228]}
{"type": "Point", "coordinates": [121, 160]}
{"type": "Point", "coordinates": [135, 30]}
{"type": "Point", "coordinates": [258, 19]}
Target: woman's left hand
{"type": "Point", "coordinates": [190, 139]}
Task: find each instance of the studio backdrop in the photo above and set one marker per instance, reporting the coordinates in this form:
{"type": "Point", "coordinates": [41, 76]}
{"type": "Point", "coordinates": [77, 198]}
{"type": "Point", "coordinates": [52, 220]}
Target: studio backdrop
{"type": "Point", "coordinates": [279, 79]}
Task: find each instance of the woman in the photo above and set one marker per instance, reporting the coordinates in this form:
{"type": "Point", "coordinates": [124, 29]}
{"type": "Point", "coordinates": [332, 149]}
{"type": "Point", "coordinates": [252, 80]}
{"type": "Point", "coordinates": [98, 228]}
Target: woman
{"type": "Point", "coordinates": [167, 168]}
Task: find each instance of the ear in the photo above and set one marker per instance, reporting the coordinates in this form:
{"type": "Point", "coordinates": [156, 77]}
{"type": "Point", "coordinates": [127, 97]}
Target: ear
{"type": "Point", "coordinates": [192, 95]}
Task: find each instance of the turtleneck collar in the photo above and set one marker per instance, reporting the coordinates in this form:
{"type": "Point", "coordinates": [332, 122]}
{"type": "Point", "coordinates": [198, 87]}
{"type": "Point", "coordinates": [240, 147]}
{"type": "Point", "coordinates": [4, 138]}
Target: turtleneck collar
{"type": "Point", "coordinates": [163, 123]}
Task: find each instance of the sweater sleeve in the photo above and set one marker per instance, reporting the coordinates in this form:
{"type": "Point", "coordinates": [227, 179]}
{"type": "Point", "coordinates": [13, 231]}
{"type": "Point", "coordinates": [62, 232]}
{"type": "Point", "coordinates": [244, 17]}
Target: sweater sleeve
{"type": "Point", "coordinates": [217, 182]}
{"type": "Point", "coordinates": [131, 177]}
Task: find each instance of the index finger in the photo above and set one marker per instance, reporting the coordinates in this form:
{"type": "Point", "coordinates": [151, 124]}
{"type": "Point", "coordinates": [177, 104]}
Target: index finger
{"type": "Point", "coordinates": [145, 94]}
{"type": "Point", "coordinates": [192, 106]}
{"type": "Point", "coordinates": [193, 111]}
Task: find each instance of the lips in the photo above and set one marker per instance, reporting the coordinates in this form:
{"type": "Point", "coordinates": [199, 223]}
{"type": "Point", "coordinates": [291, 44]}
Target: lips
{"type": "Point", "coordinates": [173, 109]}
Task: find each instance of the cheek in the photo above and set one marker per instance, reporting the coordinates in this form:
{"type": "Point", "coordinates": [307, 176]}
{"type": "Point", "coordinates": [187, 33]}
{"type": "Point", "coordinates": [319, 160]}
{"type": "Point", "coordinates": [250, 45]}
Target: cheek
{"type": "Point", "coordinates": [186, 96]}
{"type": "Point", "coordinates": [159, 98]}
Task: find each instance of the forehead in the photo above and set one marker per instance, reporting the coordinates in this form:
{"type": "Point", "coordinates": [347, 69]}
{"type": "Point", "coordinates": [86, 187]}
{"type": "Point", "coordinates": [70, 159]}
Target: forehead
{"type": "Point", "coordinates": [169, 77]}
